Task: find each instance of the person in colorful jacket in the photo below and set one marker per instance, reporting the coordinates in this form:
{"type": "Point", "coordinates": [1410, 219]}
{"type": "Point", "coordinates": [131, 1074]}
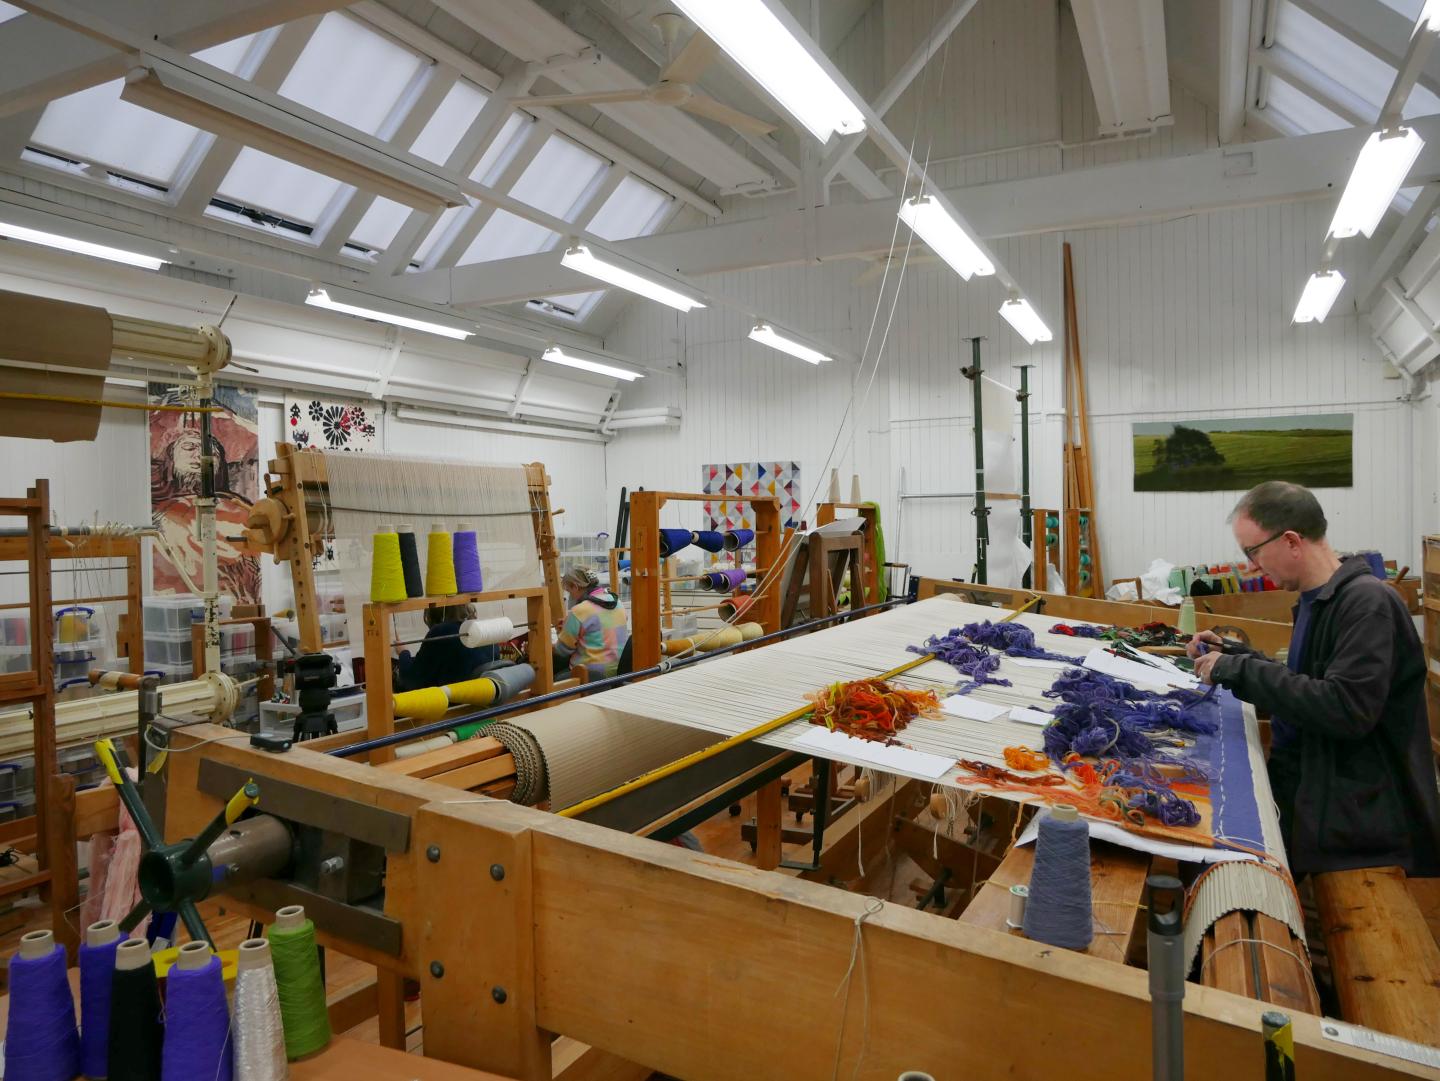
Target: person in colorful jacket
{"type": "Point", "coordinates": [596, 628]}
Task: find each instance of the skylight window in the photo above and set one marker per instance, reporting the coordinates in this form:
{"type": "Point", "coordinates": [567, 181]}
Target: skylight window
{"type": "Point", "coordinates": [9, 11]}
{"type": "Point", "coordinates": [1365, 74]}
{"type": "Point", "coordinates": [573, 307]}
{"type": "Point", "coordinates": [281, 187]}
{"type": "Point", "coordinates": [560, 178]}
{"type": "Point", "coordinates": [449, 123]}
{"type": "Point", "coordinates": [505, 236]}
{"type": "Point", "coordinates": [1300, 109]}
{"type": "Point", "coordinates": [633, 209]}
{"type": "Point", "coordinates": [232, 55]}
{"type": "Point", "coordinates": [440, 231]}
{"type": "Point", "coordinates": [502, 149]}
{"type": "Point", "coordinates": [381, 222]}
{"type": "Point", "coordinates": [349, 72]}
{"type": "Point", "coordinates": [95, 126]}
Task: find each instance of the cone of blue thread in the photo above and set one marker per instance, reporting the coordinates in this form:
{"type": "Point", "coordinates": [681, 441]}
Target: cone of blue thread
{"type": "Point", "coordinates": [42, 1042]}
{"type": "Point", "coordinates": [672, 540]}
{"type": "Point", "coordinates": [97, 976]}
{"type": "Point", "coordinates": [468, 576]}
{"type": "Point", "coordinates": [1059, 910]}
{"type": "Point", "coordinates": [197, 1019]}
{"type": "Point", "coordinates": [711, 540]}
{"type": "Point", "coordinates": [410, 562]}
{"type": "Point", "coordinates": [735, 539]}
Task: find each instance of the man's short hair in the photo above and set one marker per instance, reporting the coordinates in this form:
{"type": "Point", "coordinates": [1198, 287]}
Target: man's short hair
{"type": "Point", "coordinates": [1278, 506]}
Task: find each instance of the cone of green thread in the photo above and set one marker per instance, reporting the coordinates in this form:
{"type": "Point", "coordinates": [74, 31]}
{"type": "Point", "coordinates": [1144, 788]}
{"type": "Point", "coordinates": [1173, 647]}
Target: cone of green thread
{"type": "Point", "coordinates": [297, 978]}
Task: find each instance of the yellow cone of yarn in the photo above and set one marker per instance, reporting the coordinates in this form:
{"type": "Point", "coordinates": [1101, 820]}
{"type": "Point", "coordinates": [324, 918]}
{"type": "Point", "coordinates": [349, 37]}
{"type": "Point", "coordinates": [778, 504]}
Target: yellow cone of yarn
{"type": "Point", "coordinates": [677, 645]}
{"type": "Point", "coordinates": [473, 692]}
{"type": "Point", "coordinates": [725, 636]}
{"type": "Point", "coordinates": [440, 564]}
{"type": "Point", "coordinates": [749, 631]}
{"type": "Point", "coordinates": [387, 573]}
{"type": "Point", "coordinates": [426, 704]}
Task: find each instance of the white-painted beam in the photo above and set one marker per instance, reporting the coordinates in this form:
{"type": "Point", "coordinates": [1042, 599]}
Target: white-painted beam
{"type": "Point", "coordinates": [1398, 248]}
{"type": "Point", "coordinates": [1123, 42]}
{"type": "Point", "coordinates": [1234, 67]}
{"type": "Point", "coordinates": [1274, 170]}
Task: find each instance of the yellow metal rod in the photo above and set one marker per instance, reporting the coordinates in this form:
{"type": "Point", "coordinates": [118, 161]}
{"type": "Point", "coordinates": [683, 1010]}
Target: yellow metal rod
{"type": "Point", "coordinates": [759, 730]}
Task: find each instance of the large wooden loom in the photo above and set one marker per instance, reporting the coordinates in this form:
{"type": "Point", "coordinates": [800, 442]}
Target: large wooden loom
{"type": "Point", "coordinates": [662, 957]}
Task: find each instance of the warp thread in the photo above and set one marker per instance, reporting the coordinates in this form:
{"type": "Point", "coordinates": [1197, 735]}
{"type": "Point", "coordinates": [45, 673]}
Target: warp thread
{"type": "Point", "coordinates": [136, 1030]}
{"type": "Point", "coordinates": [97, 976]}
{"type": "Point", "coordinates": [410, 562]}
{"type": "Point", "coordinates": [710, 540]}
{"type": "Point", "coordinates": [735, 539]}
{"type": "Point", "coordinates": [1058, 911]}
{"type": "Point", "coordinates": [672, 540]}
{"type": "Point", "coordinates": [42, 1042]}
{"type": "Point", "coordinates": [197, 1023]}
{"type": "Point", "coordinates": [387, 572]}
{"type": "Point", "coordinates": [440, 564]}
{"type": "Point", "coordinates": [259, 1032]}
{"type": "Point", "coordinates": [466, 553]}
{"type": "Point", "coordinates": [297, 979]}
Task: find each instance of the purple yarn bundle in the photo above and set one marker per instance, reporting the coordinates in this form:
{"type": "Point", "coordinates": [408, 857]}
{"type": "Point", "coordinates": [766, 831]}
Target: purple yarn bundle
{"type": "Point", "coordinates": [1011, 639]}
{"type": "Point", "coordinates": [1153, 796]}
{"type": "Point", "coordinates": [966, 657]}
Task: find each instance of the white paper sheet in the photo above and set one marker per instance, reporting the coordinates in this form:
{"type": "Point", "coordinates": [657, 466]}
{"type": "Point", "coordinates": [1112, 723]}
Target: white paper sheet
{"type": "Point", "coordinates": [1167, 675]}
{"type": "Point", "coordinates": [830, 744]}
{"type": "Point", "coordinates": [1115, 835]}
{"type": "Point", "coordinates": [1026, 715]}
{"type": "Point", "coordinates": [971, 708]}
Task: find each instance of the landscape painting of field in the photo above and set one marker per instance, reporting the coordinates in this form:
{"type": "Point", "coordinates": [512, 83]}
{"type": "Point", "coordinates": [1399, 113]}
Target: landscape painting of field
{"type": "Point", "coordinates": [1240, 452]}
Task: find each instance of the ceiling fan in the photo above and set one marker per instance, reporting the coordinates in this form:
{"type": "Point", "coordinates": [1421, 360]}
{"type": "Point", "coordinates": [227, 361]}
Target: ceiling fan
{"type": "Point", "coordinates": [675, 86]}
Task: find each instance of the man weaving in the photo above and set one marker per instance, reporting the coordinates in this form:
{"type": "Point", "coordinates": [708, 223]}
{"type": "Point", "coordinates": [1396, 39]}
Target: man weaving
{"type": "Point", "coordinates": [1350, 759]}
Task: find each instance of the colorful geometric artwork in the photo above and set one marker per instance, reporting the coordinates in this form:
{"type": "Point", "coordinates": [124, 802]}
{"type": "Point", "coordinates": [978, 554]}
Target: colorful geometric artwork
{"type": "Point", "coordinates": [331, 424]}
{"type": "Point", "coordinates": [175, 451]}
{"type": "Point", "coordinates": [734, 484]}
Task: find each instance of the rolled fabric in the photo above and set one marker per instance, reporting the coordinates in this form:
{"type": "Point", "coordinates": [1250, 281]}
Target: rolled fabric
{"type": "Point", "coordinates": [709, 539]}
{"type": "Point", "coordinates": [735, 539]}
{"type": "Point", "coordinates": [672, 540]}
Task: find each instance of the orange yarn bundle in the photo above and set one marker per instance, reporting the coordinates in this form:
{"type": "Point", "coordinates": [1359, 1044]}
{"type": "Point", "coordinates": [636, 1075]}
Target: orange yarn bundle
{"type": "Point", "coordinates": [1023, 758]}
{"type": "Point", "coordinates": [870, 708]}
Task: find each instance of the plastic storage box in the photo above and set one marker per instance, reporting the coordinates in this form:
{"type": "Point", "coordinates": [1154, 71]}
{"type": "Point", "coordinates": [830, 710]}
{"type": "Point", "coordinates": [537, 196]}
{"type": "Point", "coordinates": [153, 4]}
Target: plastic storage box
{"type": "Point", "coordinates": [167, 615]}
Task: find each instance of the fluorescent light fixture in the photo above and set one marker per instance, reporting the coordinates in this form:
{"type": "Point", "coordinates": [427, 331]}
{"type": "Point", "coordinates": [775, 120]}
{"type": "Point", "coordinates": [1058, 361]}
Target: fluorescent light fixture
{"type": "Point", "coordinates": [934, 225]}
{"type": "Point", "coordinates": [319, 298]}
{"type": "Point", "coordinates": [663, 417]}
{"type": "Point", "coordinates": [776, 59]}
{"type": "Point", "coordinates": [1429, 17]}
{"type": "Point", "coordinates": [1027, 324]}
{"type": "Point", "coordinates": [234, 109]}
{"type": "Point", "coordinates": [1381, 168]}
{"type": "Point", "coordinates": [81, 247]}
{"type": "Point", "coordinates": [765, 334]}
{"type": "Point", "coordinates": [608, 269]}
{"type": "Point", "coordinates": [1319, 295]}
{"type": "Point", "coordinates": [574, 358]}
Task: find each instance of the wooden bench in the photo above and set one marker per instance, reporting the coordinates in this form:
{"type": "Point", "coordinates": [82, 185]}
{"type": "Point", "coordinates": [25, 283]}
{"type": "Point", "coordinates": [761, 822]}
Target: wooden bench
{"type": "Point", "coordinates": [1381, 939]}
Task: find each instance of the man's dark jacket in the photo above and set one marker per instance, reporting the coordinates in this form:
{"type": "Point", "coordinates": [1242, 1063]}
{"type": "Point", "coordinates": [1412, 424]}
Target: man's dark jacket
{"type": "Point", "coordinates": [1356, 787]}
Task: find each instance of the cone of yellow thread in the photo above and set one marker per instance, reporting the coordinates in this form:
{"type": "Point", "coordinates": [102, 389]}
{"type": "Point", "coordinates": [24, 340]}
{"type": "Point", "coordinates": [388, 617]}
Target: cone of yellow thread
{"type": "Point", "coordinates": [439, 564]}
{"type": "Point", "coordinates": [472, 692]}
{"type": "Point", "coordinates": [677, 645]}
{"type": "Point", "coordinates": [387, 573]}
{"type": "Point", "coordinates": [749, 631]}
{"type": "Point", "coordinates": [426, 704]}
{"type": "Point", "coordinates": [725, 636]}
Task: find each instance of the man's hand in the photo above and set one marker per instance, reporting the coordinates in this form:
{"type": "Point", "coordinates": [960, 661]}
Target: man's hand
{"type": "Point", "coordinates": [1205, 665]}
{"type": "Point", "coordinates": [1212, 643]}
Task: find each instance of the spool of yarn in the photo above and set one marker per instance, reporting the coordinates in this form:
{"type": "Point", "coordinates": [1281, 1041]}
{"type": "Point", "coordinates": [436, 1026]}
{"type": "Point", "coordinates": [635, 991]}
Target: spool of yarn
{"type": "Point", "coordinates": [735, 539]}
{"type": "Point", "coordinates": [1019, 898]}
{"type": "Point", "coordinates": [486, 632]}
{"type": "Point", "coordinates": [1058, 911]}
{"type": "Point", "coordinates": [410, 562]}
{"type": "Point", "coordinates": [387, 573]}
{"type": "Point", "coordinates": [426, 704]}
{"type": "Point", "coordinates": [136, 1032]}
{"type": "Point", "coordinates": [440, 564]}
{"type": "Point", "coordinates": [422, 746]}
{"type": "Point", "coordinates": [42, 1043]}
{"type": "Point", "coordinates": [511, 680]}
{"type": "Point", "coordinates": [297, 977]}
{"type": "Point", "coordinates": [473, 692]}
{"type": "Point", "coordinates": [466, 552]}
{"type": "Point", "coordinates": [672, 540]}
{"type": "Point", "coordinates": [259, 1033]}
{"type": "Point", "coordinates": [749, 631]}
{"type": "Point", "coordinates": [715, 580]}
{"type": "Point", "coordinates": [734, 577]}
{"type": "Point", "coordinates": [197, 1019]}
{"type": "Point", "coordinates": [97, 975]}
{"type": "Point", "coordinates": [720, 639]}
{"type": "Point", "coordinates": [834, 494]}
{"type": "Point", "coordinates": [677, 645]}
{"type": "Point", "coordinates": [710, 540]}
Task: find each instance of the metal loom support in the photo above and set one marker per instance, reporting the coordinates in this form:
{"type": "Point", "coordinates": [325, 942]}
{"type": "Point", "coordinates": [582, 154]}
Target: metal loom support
{"type": "Point", "coordinates": [1026, 525]}
{"type": "Point", "coordinates": [982, 508]}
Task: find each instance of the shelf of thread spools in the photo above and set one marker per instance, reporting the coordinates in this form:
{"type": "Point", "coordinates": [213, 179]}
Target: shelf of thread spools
{"type": "Point", "coordinates": [173, 1013]}
{"type": "Point", "coordinates": [452, 575]}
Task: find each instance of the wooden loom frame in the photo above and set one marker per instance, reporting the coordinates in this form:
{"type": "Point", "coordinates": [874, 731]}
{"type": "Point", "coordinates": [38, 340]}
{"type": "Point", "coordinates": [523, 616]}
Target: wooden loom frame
{"type": "Point", "coordinates": [656, 954]}
{"type": "Point", "coordinates": [870, 562]}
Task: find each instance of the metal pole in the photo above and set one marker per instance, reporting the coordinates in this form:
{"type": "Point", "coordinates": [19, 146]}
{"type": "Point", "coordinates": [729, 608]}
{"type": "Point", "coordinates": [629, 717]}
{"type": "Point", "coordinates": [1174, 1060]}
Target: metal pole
{"type": "Point", "coordinates": [1026, 533]}
{"type": "Point", "coordinates": [1166, 960]}
{"type": "Point", "coordinates": [982, 509]}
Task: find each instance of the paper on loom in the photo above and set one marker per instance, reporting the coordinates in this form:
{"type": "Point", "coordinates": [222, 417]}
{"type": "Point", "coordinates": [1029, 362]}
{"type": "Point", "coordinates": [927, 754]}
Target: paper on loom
{"type": "Point", "coordinates": [1040, 662]}
{"type": "Point", "coordinates": [1136, 842]}
{"type": "Point", "coordinates": [1162, 673]}
{"type": "Point", "coordinates": [1026, 715]}
{"type": "Point", "coordinates": [972, 708]}
{"type": "Point", "coordinates": [830, 744]}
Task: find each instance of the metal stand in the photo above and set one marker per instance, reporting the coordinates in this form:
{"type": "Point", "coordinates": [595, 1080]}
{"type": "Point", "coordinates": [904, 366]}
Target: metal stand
{"type": "Point", "coordinates": [1026, 532]}
{"type": "Point", "coordinates": [982, 509]}
{"type": "Point", "coordinates": [1166, 959]}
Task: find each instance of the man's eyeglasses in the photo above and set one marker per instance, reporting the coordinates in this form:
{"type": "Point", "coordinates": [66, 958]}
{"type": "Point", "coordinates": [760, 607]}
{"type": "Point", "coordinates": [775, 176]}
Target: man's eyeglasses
{"type": "Point", "coordinates": [1250, 552]}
